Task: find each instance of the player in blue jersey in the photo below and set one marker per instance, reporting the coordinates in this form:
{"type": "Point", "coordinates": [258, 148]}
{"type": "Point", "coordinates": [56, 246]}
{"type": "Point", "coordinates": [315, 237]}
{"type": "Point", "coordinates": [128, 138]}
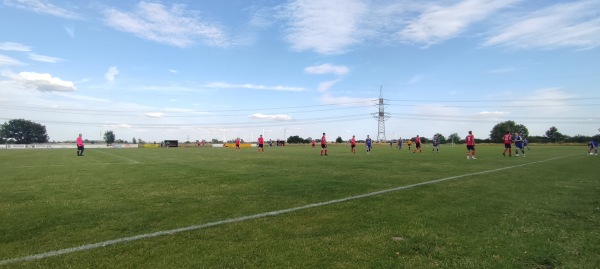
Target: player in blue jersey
{"type": "Point", "coordinates": [369, 143]}
{"type": "Point", "coordinates": [593, 147]}
{"type": "Point", "coordinates": [519, 144]}
{"type": "Point", "coordinates": [399, 143]}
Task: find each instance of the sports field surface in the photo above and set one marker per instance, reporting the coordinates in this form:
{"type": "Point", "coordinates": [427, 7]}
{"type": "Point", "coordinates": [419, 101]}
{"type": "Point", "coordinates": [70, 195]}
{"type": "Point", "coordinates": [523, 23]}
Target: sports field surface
{"type": "Point", "coordinates": [289, 207]}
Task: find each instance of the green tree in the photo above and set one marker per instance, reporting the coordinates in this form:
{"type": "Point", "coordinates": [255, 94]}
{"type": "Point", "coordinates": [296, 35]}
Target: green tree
{"type": "Point", "coordinates": [507, 126]}
{"type": "Point", "coordinates": [339, 140]}
{"type": "Point", "coordinates": [441, 138]}
{"type": "Point", "coordinates": [295, 139]}
{"type": "Point", "coordinates": [554, 135]}
{"type": "Point", "coordinates": [23, 132]}
{"type": "Point", "coordinates": [454, 138]}
{"type": "Point", "coordinates": [134, 141]}
{"type": "Point", "coordinates": [109, 137]}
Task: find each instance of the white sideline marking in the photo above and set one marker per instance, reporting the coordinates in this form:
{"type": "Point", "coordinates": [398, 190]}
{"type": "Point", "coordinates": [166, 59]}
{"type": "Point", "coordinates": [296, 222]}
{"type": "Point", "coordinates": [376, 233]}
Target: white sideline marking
{"type": "Point", "coordinates": [62, 165]}
{"type": "Point", "coordinates": [250, 217]}
{"type": "Point", "coordinates": [133, 161]}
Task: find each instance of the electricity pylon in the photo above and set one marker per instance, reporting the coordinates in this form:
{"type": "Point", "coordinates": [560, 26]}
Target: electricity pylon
{"type": "Point", "coordinates": [381, 117]}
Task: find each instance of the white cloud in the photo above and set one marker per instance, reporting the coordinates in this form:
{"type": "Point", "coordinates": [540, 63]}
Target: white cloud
{"type": "Point", "coordinates": [175, 25]}
{"type": "Point", "coordinates": [492, 114]}
{"type": "Point", "coordinates": [43, 82]}
{"type": "Point", "coordinates": [43, 58]}
{"type": "Point", "coordinates": [11, 46]}
{"type": "Point", "coordinates": [327, 27]}
{"type": "Point", "coordinates": [154, 114]}
{"type": "Point", "coordinates": [111, 73]}
{"type": "Point", "coordinates": [278, 117]}
{"type": "Point", "coordinates": [327, 69]}
{"type": "Point", "coordinates": [5, 60]}
{"type": "Point", "coordinates": [42, 7]}
{"type": "Point", "coordinates": [173, 71]}
{"type": "Point", "coordinates": [439, 23]}
{"type": "Point", "coordinates": [573, 24]}
{"type": "Point", "coordinates": [224, 85]}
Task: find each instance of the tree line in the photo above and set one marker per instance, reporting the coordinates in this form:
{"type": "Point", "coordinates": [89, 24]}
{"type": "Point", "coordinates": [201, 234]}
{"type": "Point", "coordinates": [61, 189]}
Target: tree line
{"type": "Point", "coordinates": [21, 131]}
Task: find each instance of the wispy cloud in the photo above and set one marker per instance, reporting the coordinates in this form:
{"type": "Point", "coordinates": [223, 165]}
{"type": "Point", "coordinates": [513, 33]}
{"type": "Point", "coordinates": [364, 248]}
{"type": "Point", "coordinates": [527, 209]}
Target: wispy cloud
{"type": "Point", "coordinates": [325, 86]}
{"type": "Point", "coordinates": [278, 117]}
{"type": "Point", "coordinates": [80, 97]}
{"type": "Point", "coordinates": [327, 69]}
{"type": "Point", "coordinates": [433, 109]}
{"type": "Point", "coordinates": [119, 126]}
{"type": "Point", "coordinates": [70, 29]}
{"type": "Point", "coordinates": [176, 25]}
{"type": "Point", "coordinates": [414, 79]}
{"type": "Point", "coordinates": [503, 70]}
{"type": "Point", "coordinates": [43, 58]}
{"type": "Point", "coordinates": [42, 7]}
{"type": "Point", "coordinates": [346, 101]}
{"type": "Point", "coordinates": [554, 98]}
{"type": "Point", "coordinates": [574, 24]}
{"type": "Point", "coordinates": [327, 27]}
{"type": "Point", "coordinates": [5, 61]}
{"type": "Point", "coordinates": [438, 23]}
{"type": "Point", "coordinates": [224, 85]}
{"type": "Point", "coordinates": [12, 46]}
{"type": "Point", "coordinates": [111, 73]}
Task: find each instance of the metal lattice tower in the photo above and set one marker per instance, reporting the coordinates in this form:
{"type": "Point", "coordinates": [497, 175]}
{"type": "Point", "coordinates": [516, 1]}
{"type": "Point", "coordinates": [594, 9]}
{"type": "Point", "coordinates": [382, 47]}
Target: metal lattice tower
{"type": "Point", "coordinates": [381, 117]}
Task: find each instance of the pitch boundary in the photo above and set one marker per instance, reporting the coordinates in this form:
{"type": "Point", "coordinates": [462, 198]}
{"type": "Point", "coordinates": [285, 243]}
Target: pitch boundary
{"type": "Point", "coordinates": [251, 217]}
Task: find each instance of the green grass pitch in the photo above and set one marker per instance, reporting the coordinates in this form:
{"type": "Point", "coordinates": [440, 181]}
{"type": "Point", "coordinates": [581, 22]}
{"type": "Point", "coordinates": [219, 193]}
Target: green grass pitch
{"type": "Point", "coordinates": [541, 211]}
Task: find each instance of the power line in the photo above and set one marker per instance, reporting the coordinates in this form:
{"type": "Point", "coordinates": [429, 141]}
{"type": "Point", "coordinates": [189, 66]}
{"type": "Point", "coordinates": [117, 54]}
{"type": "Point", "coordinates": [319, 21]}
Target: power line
{"type": "Point", "coordinates": [495, 101]}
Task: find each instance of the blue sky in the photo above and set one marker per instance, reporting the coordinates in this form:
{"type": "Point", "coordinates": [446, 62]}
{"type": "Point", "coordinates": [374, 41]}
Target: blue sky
{"type": "Point", "coordinates": [192, 70]}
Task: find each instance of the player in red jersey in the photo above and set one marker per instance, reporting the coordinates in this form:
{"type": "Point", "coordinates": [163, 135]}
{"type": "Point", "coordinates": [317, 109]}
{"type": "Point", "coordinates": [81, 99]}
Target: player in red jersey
{"type": "Point", "coordinates": [470, 139]}
{"type": "Point", "coordinates": [237, 144]}
{"type": "Point", "coordinates": [261, 144]}
{"type": "Point", "coordinates": [507, 144]}
{"type": "Point", "coordinates": [323, 145]}
{"type": "Point", "coordinates": [418, 144]}
{"type": "Point", "coordinates": [314, 143]}
{"type": "Point", "coordinates": [353, 145]}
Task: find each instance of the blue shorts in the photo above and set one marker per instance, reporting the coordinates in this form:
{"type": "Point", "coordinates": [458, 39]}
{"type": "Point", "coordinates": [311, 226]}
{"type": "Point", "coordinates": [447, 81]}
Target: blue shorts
{"type": "Point", "coordinates": [519, 145]}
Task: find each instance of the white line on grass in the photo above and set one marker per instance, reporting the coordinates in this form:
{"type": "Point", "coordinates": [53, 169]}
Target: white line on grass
{"type": "Point", "coordinates": [250, 217]}
{"type": "Point", "coordinates": [62, 165]}
{"type": "Point", "coordinates": [133, 161]}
